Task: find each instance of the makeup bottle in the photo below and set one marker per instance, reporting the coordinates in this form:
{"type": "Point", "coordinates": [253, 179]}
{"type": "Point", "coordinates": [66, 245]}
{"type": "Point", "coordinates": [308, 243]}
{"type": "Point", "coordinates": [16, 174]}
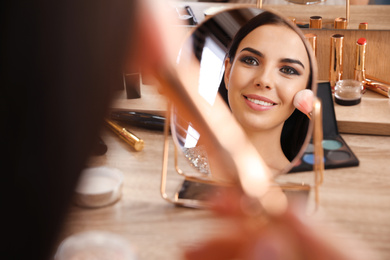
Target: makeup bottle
{"type": "Point", "coordinates": [336, 59]}
{"type": "Point", "coordinates": [315, 22]}
{"type": "Point", "coordinates": [312, 39]}
{"type": "Point", "coordinates": [360, 58]}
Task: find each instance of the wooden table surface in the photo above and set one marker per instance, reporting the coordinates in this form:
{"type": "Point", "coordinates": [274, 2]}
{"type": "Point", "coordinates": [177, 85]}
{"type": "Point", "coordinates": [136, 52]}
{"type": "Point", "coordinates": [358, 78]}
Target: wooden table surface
{"type": "Point", "coordinates": [354, 201]}
{"type": "Point", "coordinates": [371, 116]}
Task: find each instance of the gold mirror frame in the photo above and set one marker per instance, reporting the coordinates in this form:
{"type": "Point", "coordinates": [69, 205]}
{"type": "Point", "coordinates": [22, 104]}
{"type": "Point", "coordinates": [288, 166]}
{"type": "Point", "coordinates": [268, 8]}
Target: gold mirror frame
{"type": "Point", "coordinates": [318, 166]}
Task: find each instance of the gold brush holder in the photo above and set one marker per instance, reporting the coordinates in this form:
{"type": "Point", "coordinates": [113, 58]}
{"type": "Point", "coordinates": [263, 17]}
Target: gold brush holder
{"type": "Point", "coordinates": [318, 167]}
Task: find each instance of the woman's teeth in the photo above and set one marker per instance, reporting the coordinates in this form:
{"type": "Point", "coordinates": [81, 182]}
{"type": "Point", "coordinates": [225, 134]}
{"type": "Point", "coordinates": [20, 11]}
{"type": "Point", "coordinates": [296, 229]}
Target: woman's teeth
{"type": "Point", "coordinates": [260, 102]}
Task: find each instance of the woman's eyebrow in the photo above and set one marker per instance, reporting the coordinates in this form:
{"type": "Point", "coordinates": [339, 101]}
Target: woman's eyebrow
{"type": "Point", "coordinates": [253, 51]}
{"type": "Point", "coordinates": [288, 60]}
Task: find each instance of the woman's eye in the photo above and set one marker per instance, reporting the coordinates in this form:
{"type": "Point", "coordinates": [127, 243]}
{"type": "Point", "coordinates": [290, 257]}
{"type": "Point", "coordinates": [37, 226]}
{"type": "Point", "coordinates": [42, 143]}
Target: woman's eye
{"type": "Point", "coordinates": [289, 71]}
{"type": "Point", "coordinates": [250, 61]}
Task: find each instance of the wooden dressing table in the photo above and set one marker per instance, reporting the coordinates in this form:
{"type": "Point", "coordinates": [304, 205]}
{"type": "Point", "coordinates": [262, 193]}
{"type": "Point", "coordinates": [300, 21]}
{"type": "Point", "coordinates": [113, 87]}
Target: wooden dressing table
{"type": "Point", "coordinates": [354, 201]}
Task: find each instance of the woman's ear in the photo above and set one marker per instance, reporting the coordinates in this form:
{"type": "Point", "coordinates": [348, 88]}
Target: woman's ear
{"type": "Point", "coordinates": [226, 76]}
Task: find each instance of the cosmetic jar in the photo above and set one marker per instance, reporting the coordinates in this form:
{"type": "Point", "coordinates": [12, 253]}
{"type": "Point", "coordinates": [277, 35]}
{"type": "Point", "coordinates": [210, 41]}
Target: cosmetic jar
{"type": "Point", "coordinates": [348, 92]}
{"type": "Point", "coordinates": [98, 187]}
{"type": "Point", "coordinates": [97, 245]}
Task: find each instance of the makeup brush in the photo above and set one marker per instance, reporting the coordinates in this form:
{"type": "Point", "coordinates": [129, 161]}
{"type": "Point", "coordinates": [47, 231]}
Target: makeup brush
{"type": "Point", "coordinates": [303, 101]}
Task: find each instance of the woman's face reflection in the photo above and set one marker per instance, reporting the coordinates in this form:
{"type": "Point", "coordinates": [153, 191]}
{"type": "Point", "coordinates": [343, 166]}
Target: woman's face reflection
{"type": "Point", "coordinates": [266, 64]}
{"type": "Point", "coordinates": [270, 66]}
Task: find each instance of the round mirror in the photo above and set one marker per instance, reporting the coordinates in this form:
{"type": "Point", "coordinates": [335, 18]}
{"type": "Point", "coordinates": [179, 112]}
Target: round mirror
{"type": "Point", "coordinates": [263, 68]}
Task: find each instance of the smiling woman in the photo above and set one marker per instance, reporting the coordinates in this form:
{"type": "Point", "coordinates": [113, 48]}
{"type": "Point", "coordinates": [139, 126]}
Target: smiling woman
{"type": "Point", "coordinates": [267, 64]}
{"type": "Point", "coordinates": [257, 62]}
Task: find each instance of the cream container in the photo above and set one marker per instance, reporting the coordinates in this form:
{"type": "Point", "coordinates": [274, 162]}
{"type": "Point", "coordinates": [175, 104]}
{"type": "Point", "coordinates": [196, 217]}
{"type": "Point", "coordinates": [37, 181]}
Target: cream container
{"type": "Point", "coordinates": [96, 245]}
{"type": "Point", "coordinates": [98, 187]}
{"type": "Point", "coordinates": [348, 92]}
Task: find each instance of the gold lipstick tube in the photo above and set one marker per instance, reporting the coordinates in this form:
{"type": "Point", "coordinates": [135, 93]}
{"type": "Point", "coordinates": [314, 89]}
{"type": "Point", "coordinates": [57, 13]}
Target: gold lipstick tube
{"type": "Point", "coordinates": [127, 136]}
{"type": "Point", "coordinates": [312, 39]}
{"type": "Point", "coordinates": [340, 23]}
{"type": "Point", "coordinates": [336, 59]}
{"type": "Point", "coordinates": [315, 22]}
{"type": "Point", "coordinates": [363, 26]}
{"type": "Point", "coordinates": [360, 71]}
{"type": "Point", "coordinates": [377, 85]}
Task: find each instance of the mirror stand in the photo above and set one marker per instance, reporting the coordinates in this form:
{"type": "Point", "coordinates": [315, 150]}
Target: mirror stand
{"type": "Point", "coordinates": [318, 167]}
{"type": "Point", "coordinates": [175, 199]}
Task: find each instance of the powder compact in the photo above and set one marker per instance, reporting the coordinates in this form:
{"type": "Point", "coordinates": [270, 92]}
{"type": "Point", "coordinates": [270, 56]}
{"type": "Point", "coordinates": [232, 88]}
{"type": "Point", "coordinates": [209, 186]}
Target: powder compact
{"type": "Point", "coordinates": [337, 153]}
{"type": "Point", "coordinates": [98, 187]}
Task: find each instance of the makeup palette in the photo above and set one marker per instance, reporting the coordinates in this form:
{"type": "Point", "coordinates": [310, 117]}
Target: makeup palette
{"type": "Point", "coordinates": [337, 153]}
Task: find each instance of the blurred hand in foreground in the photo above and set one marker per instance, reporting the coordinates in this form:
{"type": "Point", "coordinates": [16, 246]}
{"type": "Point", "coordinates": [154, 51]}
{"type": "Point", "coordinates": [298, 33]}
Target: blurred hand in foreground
{"type": "Point", "coordinates": [253, 235]}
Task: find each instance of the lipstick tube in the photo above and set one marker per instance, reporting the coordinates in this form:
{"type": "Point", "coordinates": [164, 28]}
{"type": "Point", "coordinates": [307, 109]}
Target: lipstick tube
{"type": "Point", "coordinates": [369, 82]}
{"type": "Point", "coordinates": [340, 23]}
{"type": "Point", "coordinates": [312, 39]}
{"type": "Point", "coordinates": [126, 135]}
{"type": "Point", "coordinates": [363, 26]}
{"type": "Point", "coordinates": [359, 71]}
{"type": "Point", "coordinates": [145, 120]}
{"type": "Point", "coordinates": [315, 22]}
{"type": "Point", "coordinates": [377, 85]}
{"type": "Point", "coordinates": [336, 59]}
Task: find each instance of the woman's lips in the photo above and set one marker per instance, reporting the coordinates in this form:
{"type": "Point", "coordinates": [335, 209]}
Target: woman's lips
{"type": "Point", "coordinates": [259, 103]}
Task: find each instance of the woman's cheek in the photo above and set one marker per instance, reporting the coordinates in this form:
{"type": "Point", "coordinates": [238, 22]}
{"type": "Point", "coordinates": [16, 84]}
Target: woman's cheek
{"type": "Point", "coordinates": [290, 89]}
{"type": "Point", "coordinates": [242, 76]}
{"type": "Point", "coordinates": [287, 95]}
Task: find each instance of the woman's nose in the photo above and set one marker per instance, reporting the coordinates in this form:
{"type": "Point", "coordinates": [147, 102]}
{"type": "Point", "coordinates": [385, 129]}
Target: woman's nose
{"type": "Point", "coordinates": [264, 78]}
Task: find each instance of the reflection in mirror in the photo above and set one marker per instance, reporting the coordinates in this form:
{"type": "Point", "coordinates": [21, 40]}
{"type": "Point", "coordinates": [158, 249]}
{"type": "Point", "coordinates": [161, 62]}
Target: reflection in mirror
{"type": "Point", "coordinates": [258, 62]}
